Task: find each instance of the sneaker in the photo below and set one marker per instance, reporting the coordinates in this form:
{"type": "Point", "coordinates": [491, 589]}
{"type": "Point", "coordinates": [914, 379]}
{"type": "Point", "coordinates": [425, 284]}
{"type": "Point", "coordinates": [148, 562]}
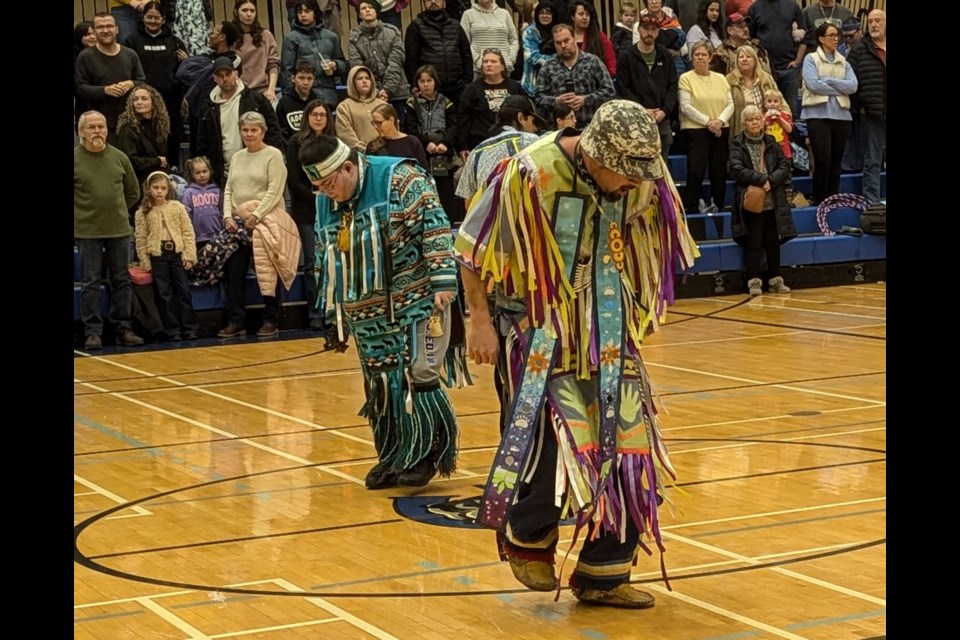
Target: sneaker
{"type": "Point", "coordinates": [268, 330]}
{"type": "Point", "coordinates": [128, 338]}
{"type": "Point", "coordinates": [623, 596]}
{"type": "Point", "coordinates": [380, 477]}
{"type": "Point", "coordinates": [93, 343]}
{"type": "Point", "coordinates": [190, 335]}
{"type": "Point", "coordinates": [418, 475]}
{"type": "Point", "coordinates": [777, 286]}
{"type": "Point", "coordinates": [173, 337]}
{"type": "Point", "coordinates": [231, 331]}
{"type": "Point", "coordinates": [756, 286]}
{"type": "Point", "coordinates": [712, 209]}
{"type": "Point", "coordinates": [534, 574]}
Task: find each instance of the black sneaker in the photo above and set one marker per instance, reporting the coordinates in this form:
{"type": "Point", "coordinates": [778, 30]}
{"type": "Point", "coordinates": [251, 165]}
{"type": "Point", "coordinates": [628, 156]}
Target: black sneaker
{"type": "Point", "coordinates": [190, 335]}
{"type": "Point", "coordinates": [127, 338]}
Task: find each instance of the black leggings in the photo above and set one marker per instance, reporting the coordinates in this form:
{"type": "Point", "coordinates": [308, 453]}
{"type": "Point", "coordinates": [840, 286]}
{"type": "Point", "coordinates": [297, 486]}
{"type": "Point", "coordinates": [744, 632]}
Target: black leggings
{"type": "Point", "coordinates": [705, 150]}
{"type": "Point", "coordinates": [828, 139]}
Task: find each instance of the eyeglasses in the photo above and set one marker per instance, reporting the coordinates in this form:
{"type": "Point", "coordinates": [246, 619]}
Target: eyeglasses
{"type": "Point", "coordinates": [319, 114]}
{"type": "Point", "coordinates": [831, 35]}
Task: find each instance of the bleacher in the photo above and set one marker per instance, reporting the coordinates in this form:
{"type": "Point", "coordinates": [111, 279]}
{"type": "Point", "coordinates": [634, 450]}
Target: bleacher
{"type": "Point", "coordinates": [810, 259]}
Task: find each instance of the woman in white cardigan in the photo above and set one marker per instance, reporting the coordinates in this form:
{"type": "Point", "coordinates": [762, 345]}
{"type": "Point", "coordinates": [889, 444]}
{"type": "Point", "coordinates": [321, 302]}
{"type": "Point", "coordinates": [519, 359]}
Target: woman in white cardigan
{"type": "Point", "coordinates": [828, 83]}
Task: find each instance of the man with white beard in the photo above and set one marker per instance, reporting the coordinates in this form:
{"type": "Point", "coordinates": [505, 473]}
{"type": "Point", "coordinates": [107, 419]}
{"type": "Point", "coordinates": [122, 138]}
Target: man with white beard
{"type": "Point", "coordinates": [101, 228]}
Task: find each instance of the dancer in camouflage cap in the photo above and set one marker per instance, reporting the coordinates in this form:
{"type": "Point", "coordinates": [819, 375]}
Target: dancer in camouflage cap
{"type": "Point", "coordinates": [624, 138]}
{"type": "Point", "coordinates": [580, 234]}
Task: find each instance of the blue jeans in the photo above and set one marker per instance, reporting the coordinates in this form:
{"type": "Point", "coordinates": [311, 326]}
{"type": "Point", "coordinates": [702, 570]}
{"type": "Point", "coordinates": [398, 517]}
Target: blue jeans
{"type": "Point", "coordinates": [93, 251]}
{"type": "Point", "coordinates": [875, 143]}
{"type": "Point", "coordinates": [127, 20]}
{"type": "Point", "coordinates": [788, 81]}
{"type": "Point", "coordinates": [308, 242]}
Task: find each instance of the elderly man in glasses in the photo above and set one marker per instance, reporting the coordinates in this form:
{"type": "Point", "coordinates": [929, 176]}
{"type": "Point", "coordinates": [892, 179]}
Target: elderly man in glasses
{"type": "Point", "coordinates": [384, 250]}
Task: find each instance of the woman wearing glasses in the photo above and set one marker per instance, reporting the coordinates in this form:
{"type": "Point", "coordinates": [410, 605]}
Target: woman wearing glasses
{"type": "Point", "coordinates": [317, 121]}
{"type": "Point", "coordinates": [828, 83]}
{"type": "Point", "coordinates": [392, 141]}
{"type": "Point", "coordinates": [481, 100]}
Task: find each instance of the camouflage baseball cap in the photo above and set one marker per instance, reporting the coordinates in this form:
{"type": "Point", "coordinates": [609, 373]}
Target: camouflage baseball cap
{"type": "Point", "coordinates": [624, 138]}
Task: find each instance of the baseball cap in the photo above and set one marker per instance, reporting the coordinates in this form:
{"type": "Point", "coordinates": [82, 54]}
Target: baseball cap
{"type": "Point", "coordinates": [524, 105]}
{"type": "Point", "coordinates": [646, 18]}
{"type": "Point", "coordinates": [850, 25]}
{"type": "Point", "coordinates": [223, 62]}
{"type": "Point", "coordinates": [737, 18]}
{"type": "Point", "coordinates": [624, 137]}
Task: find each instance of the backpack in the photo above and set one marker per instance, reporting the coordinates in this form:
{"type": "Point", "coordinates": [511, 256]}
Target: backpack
{"type": "Point", "coordinates": [873, 219]}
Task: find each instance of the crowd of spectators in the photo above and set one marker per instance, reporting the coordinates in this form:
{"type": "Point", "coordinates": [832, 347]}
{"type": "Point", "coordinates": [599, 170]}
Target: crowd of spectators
{"type": "Point", "coordinates": [432, 90]}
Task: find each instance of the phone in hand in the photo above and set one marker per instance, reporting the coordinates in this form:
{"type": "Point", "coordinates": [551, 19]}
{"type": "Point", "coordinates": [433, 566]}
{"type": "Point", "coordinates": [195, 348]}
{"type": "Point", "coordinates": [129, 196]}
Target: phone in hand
{"type": "Point", "coordinates": [568, 86]}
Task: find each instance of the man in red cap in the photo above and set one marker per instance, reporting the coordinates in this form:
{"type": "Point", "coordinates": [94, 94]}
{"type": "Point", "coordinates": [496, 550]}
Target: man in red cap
{"type": "Point", "coordinates": [738, 34]}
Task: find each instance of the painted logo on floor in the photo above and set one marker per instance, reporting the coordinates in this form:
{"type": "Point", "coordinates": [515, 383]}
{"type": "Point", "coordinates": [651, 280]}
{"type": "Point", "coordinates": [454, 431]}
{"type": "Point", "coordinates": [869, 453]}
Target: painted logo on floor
{"type": "Point", "coordinates": [444, 511]}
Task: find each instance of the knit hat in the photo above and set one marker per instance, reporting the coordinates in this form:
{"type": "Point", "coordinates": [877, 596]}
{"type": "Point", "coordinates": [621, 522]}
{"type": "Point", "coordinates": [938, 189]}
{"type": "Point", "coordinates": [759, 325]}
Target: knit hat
{"type": "Point", "coordinates": [373, 3]}
{"type": "Point", "coordinates": [321, 156]}
{"type": "Point", "coordinates": [624, 138]}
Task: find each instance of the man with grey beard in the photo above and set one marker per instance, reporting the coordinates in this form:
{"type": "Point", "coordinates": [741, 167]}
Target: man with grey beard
{"type": "Point", "coordinates": [101, 228]}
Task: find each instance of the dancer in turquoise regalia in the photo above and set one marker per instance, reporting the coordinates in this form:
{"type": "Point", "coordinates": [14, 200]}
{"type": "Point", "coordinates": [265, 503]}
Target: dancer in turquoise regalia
{"type": "Point", "coordinates": [387, 274]}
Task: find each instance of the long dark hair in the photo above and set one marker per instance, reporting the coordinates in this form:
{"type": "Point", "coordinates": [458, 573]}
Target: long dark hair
{"type": "Point", "coordinates": [704, 22]}
{"type": "Point", "coordinates": [256, 31]}
{"type": "Point", "coordinates": [591, 40]}
{"type": "Point", "coordinates": [79, 33]}
{"type": "Point", "coordinates": [305, 130]}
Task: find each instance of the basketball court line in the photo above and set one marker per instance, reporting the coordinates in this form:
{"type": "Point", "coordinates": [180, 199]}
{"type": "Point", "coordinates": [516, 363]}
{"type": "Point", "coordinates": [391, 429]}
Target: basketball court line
{"type": "Point", "coordinates": [237, 438]}
{"type": "Point", "coordinates": [137, 509]}
{"type": "Point", "coordinates": [781, 570]}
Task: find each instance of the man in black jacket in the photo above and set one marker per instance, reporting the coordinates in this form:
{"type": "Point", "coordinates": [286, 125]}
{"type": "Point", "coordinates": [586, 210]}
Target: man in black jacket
{"type": "Point", "coordinates": [869, 61]}
{"type": "Point", "coordinates": [218, 137]}
{"type": "Point", "coordinates": [646, 74]}
{"type": "Point", "coordinates": [436, 38]}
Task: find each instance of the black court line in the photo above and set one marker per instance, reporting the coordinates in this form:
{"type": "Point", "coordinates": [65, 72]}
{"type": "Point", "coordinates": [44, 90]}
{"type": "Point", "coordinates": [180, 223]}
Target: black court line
{"type": "Point", "coordinates": [837, 332]}
{"type": "Point", "coordinates": [92, 564]}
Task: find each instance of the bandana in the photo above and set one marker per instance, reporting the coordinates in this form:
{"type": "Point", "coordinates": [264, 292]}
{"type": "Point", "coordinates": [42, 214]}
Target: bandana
{"type": "Point", "coordinates": [328, 166]}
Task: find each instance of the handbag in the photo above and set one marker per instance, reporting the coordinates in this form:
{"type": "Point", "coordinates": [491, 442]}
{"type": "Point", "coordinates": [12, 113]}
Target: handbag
{"type": "Point", "coordinates": [753, 197]}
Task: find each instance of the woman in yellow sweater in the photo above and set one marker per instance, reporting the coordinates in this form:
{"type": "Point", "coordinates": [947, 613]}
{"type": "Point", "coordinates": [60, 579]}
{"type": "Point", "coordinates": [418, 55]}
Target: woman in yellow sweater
{"type": "Point", "coordinates": [706, 106]}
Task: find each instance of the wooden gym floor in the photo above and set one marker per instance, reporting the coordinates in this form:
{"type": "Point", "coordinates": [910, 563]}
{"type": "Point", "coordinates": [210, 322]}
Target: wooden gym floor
{"type": "Point", "coordinates": [218, 492]}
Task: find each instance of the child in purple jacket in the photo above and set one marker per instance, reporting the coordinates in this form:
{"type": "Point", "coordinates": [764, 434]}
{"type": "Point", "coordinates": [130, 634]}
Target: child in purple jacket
{"type": "Point", "coordinates": [203, 199]}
